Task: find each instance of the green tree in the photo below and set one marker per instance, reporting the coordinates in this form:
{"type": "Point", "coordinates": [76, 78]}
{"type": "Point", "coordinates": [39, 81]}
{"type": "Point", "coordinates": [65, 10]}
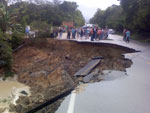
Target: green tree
{"type": "Point", "coordinates": [99, 18]}
{"type": "Point", "coordinates": [56, 13]}
{"type": "Point", "coordinates": [112, 17]}
{"type": "Point", "coordinates": [4, 19]}
{"type": "Point", "coordinates": [6, 39]}
{"type": "Point", "coordinates": [137, 15]}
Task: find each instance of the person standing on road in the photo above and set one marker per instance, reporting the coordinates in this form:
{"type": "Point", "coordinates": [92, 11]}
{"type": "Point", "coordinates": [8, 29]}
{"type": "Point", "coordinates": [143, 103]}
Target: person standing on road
{"type": "Point", "coordinates": [124, 34]}
{"type": "Point", "coordinates": [102, 34]}
{"type": "Point", "coordinates": [107, 33]}
{"type": "Point", "coordinates": [60, 33]}
{"type": "Point", "coordinates": [92, 34]}
{"type": "Point", "coordinates": [87, 33]}
{"type": "Point", "coordinates": [73, 33]}
{"type": "Point", "coordinates": [68, 33]}
{"type": "Point", "coordinates": [78, 32]}
{"type": "Point", "coordinates": [128, 33]}
{"type": "Point", "coordinates": [99, 33]}
{"type": "Point", "coordinates": [95, 32]}
{"type": "Point", "coordinates": [27, 31]}
{"type": "Point", "coordinates": [82, 32]}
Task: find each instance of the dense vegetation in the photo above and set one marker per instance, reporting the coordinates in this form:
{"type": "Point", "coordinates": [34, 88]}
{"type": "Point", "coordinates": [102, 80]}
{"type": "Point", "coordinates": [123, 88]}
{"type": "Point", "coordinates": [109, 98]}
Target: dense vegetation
{"type": "Point", "coordinates": [49, 13]}
{"type": "Point", "coordinates": [137, 15]}
{"type": "Point", "coordinates": [131, 14]}
{"type": "Point", "coordinates": [15, 15]}
{"type": "Point", "coordinates": [8, 40]}
{"type": "Point", "coordinates": [112, 17]}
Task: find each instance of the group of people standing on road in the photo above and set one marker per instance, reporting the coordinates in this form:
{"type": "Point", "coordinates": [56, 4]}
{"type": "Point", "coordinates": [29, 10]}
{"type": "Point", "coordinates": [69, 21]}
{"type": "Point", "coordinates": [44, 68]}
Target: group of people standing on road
{"type": "Point", "coordinates": [98, 33]}
{"type": "Point", "coordinates": [72, 32]}
{"type": "Point", "coordinates": [75, 33]}
{"type": "Point", "coordinates": [126, 34]}
{"type": "Point", "coordinates": [94, 32]}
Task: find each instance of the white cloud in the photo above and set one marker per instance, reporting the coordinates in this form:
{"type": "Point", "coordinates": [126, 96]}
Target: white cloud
{"type": "Point", "coordinates": [89, 7]}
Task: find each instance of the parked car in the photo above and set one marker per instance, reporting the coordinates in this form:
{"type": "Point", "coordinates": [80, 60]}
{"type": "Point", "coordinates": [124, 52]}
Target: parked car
{"type": "Point", "coordinates": [111, 31]}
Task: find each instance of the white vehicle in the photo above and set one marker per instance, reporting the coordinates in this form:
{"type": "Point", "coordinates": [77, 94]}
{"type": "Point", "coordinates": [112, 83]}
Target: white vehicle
{"type": "Point", "coordinates": [111, 31]}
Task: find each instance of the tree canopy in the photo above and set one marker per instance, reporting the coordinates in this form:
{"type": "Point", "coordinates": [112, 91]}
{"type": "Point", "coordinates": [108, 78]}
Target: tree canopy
{"type": "Point", "coordinates": [50, 13]}
{"type": "Point", "coordinates": [137, 14]}
{"type": "Point", "coordinates": [112, 17]}
{"type": "Point", "coordinates": [131, 14]}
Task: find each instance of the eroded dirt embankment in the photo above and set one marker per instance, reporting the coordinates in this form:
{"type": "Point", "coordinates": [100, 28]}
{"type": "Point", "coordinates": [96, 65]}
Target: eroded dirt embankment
{"type": "Point", "coordinates": [48, 66]}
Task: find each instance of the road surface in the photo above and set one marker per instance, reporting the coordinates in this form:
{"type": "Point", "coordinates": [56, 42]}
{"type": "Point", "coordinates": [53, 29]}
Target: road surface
{"type": "Point", "coordinates": [120, 92]}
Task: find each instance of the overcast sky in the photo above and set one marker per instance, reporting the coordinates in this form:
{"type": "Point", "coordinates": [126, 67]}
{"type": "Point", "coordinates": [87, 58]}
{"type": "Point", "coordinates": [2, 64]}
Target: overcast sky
{"type": "Point", "coordinates": [89, 7]}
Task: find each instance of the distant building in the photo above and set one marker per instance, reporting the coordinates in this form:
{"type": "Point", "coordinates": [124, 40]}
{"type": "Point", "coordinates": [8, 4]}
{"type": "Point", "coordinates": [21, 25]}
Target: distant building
{"type": "Point", "coordinates": [68, 24]}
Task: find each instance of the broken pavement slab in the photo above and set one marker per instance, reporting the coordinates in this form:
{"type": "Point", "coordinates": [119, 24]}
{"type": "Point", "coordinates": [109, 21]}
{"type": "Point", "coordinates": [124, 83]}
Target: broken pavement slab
{"type": "Point", "coordinates": [88, 68]}
{"type": "Point", "coordinates": [87, 78]}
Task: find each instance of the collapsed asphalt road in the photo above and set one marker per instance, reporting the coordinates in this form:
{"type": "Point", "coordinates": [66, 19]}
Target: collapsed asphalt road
{"type": "Point", "coordinates": [48, 67]}
{"type": "Point", "coordinates": [118, 92]}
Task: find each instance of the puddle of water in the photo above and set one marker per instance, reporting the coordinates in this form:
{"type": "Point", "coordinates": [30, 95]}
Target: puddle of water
{"type": "Point", "coordinates": [110, 75]}
{"type": "Point", "coordinates": [10, 92]}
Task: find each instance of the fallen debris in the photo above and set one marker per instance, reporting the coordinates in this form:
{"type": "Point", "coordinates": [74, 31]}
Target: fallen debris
{"type": "Point", "coordinates": [87, 78]}
{"type": "Point", "coordinates": [88, 68]}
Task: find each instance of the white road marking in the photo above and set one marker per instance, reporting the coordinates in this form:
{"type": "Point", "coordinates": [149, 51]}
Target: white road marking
{"type": "Point", "coordinates": [71, 103]}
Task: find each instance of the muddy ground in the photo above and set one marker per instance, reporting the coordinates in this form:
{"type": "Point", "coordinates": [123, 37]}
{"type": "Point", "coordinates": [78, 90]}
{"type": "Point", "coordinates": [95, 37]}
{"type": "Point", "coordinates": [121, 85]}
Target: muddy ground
{"type": "Point", "coordinates": [48, 67]}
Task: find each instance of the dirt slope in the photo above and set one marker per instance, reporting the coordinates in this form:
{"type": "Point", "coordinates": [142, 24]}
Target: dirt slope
{"type": "Point", "coordinates": [48, 66]}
